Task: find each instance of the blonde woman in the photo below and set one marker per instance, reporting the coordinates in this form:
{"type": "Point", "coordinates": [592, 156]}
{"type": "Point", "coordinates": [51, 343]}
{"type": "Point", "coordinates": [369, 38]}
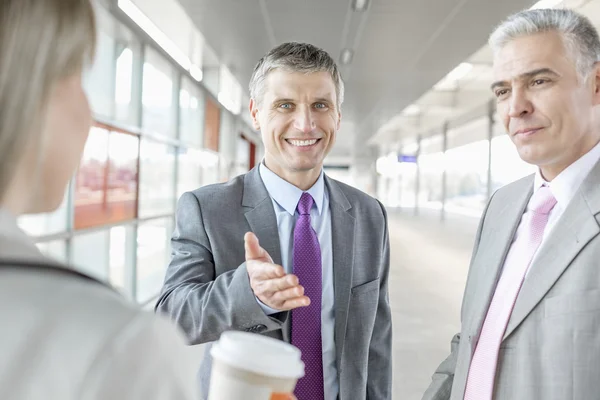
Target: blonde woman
{"type": "Point", "coordinates": [62, 335]}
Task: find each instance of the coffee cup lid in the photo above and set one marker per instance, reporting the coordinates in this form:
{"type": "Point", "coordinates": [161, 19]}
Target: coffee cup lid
{"type": "Point", "coordinates": [259, 354]}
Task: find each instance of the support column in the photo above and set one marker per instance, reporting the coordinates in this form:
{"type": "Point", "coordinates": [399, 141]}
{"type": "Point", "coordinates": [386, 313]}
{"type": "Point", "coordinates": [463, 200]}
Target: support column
{"type": "Point", "coordinates": [444, 172]}
{"type": "Point", "coordinates": [418, 177]}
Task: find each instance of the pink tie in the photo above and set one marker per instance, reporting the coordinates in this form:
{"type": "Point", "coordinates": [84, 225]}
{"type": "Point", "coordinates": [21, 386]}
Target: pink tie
{"type": "Point", "coordinates": [480, 381]}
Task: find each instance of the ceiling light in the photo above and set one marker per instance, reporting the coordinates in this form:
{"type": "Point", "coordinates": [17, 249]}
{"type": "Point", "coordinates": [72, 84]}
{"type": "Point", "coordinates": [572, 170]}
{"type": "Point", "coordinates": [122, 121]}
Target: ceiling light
{"type": "Point", "coordinates": [413, 109]}
{"type": "Point", "coordinates": [154, 32]}
{"type": "Point", "coordinates": [460, 72]}
{"type": "Point", "coordinates": [196, 72]}
{"type": "Point", "coordinates": [346, 56]}
{"type": "Point", "coordinates": [360, 5]}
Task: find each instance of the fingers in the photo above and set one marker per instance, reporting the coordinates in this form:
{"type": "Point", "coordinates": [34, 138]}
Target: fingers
{"type": "Point", "coordinates": [269, 281]}
{"type": "Point", "coordinates": [288, 294]}
{"type": "Point", "coordinates": [280, 293]}
{"type": "Point", "coordinates": [298, 302]}
{"type": "Point", "coordinates": [253, 249]}
{"type": "Point", "coordinates": [281, 283]}
{"type": "Point", "coordinates": [264, 271]}
{"type": "Point", "coordinates": [286, 300]}
{"type": "Point", "coordinates": [264, 284]}
{"type": "Point", "coordinates": [284, 293]}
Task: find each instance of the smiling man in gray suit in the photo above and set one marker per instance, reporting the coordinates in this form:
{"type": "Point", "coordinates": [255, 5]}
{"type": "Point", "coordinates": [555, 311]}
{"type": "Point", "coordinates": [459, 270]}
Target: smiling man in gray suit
{"type": "Point", "coordinates": [531, 309]}
{"type": "Point", "coordinates": [319, 277]}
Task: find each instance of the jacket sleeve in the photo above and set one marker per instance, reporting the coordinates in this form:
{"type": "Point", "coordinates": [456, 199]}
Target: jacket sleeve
{"type": "Point", "coordinates": [202, 304]}
{"type": "Point", "coordinates": [443, 378]}
{"type": "Point", "coordinates": [379, 381]}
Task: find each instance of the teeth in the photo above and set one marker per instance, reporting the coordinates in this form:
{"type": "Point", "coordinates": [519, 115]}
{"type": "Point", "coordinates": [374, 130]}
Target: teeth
{"type": "Point", "coordinates": [302, 142]}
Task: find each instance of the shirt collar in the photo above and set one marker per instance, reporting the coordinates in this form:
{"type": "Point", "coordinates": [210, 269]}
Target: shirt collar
{"type": "Point", "coordinates": [566, 184]}
{"type": "Point", "coordinates": [288, 195]}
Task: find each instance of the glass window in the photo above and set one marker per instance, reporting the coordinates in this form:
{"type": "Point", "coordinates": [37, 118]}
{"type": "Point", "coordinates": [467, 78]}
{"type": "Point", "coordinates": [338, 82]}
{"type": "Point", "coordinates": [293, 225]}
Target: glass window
{"type": "Point", "coordinates": [191, 113]}
{"type": "Point", "coordinates": [106, 184]}
{"type": "Point", "coordinates": [189, 170]}
{"type": "Point", "coordinates": [90, 185]}
{"type": "Point", "coordinates": [47, 223]}
{"type": "Point", "coordinates": [122, 176]}
{"type": "Point", "coordinates": [212, 121]}
{"type": "Point", "coordinates": [507, 166]}
{"type": "Point", "coordinates": [111, 82]}
{"type": "Point", "coordinates": [230, 91]}
{"type": "Point", "coordinates": [466, 179]}
{"type": "Point", "coordinates": [56, 249]}
{"type": "Point", "coordinates": [99, 80]}
{"type": "Point", "coordinates": [157, 95]}
{"type": "Point", "coordinates": [90, 253]}
{"type": "Point", "coordinates": [403, 187]}
{"type": "Point", "coordinates": [396, 183]}
{"type": "Point", "coordinates": [128, 60]}
{"type": "Point", "coordinates": [153, 257]}
{"type": "Point", "coordinates": [431, 169]}
{"type": "Point", "coordinates": [122, 258]}
{"type": "Point", "coordinates": [157, 179]}
{"type": "Point", "coordinates": [241, 161]}
{"type": "Point", "coordinates": [210, 167]}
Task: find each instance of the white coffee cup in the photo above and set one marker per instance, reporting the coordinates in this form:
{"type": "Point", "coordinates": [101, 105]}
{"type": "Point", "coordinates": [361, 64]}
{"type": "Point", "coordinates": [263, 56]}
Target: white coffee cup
{"type": "Point", "coordinates": [252, 367]}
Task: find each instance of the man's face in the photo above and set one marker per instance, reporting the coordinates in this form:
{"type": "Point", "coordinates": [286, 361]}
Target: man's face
{"type": "Point", "coordinates": [298, 119]}
{"type": "Point", "coordinates": [545, 106]}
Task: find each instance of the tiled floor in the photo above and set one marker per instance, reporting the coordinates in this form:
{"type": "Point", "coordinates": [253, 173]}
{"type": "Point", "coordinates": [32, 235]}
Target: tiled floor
{"type": "Point", "coordinates": [429, 263]}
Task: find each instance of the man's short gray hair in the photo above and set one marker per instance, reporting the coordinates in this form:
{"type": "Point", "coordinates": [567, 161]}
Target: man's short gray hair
{"type": "Point", "coordinates": [295, 57]}
{"type": "Point", "coordinates": [578, 33]}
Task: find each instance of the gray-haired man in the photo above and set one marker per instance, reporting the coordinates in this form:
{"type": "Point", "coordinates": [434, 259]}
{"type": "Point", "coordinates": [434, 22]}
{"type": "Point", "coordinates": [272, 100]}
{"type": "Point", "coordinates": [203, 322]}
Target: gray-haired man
{"type": "Point", "coordinates": [531, 309]}
{"type": "Point", "coordinates": [319, 277]}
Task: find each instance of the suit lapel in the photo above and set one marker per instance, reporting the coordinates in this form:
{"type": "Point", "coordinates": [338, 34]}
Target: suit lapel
{"type": "Point", "coordinates": [575, 228]}
{"type": "Point", "coordinates": [261, 215]}
{"type": "Point", "coordinates": [493, 250]}
{"type": "Point", "coordinates": [342, 239]}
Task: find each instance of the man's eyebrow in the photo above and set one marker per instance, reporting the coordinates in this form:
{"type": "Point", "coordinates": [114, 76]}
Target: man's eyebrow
{"type": "Point", "coordinates": [527, 75]}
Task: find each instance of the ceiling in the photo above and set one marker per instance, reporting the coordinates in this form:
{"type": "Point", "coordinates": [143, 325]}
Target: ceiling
{"type": "Point", "coordinates": [460, 100]}
{"type": "Point", "coordinates": [401, 48]}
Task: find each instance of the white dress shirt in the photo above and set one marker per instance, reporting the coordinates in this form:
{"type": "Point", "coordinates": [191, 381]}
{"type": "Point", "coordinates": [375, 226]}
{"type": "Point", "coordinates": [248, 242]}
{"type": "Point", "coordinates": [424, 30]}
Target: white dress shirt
{"type": "Point", "coordinates": [564, 187]}
{"type": "Point", "coordinates": [285, 197]}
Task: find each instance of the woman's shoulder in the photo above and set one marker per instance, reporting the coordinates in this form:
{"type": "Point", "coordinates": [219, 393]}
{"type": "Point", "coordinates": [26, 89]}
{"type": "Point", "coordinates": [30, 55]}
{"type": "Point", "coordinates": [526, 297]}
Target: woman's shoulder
{"type": "Point", "coordinates": [82, 328]}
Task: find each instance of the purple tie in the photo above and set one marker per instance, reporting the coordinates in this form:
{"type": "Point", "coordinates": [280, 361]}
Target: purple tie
{"type": "Point", "coordinates": [306, 321]}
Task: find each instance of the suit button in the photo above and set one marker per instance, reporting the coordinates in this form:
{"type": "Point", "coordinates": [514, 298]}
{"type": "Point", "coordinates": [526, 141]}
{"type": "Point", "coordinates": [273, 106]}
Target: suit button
{"type": "Point", "coordinates": [256, 329]}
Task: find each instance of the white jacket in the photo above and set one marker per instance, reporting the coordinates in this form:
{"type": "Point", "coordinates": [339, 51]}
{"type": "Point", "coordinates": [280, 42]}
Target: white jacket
{"type": "Point", "coordinates": [66, 338]}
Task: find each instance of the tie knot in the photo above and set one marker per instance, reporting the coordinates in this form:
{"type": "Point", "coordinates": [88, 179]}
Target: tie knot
{"type": "Point", "coordinates": [305, 204]}
{"type": "Point", "coordinates": [542, 201]}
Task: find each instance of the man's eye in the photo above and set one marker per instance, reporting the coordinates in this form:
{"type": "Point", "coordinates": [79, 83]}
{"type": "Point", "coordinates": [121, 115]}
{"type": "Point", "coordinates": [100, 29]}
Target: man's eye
{"type": "Point", "coordinates": [501, 93]}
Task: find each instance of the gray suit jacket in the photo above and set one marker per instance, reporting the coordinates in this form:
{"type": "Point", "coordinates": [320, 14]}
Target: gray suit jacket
{"type": "Point", "coordinates": [207, 289]}
{"type": "Point", "coordinates": [551, 348]}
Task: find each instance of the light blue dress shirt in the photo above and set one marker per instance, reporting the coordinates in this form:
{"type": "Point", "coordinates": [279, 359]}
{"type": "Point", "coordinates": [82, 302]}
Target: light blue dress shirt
{"type": "Point", "coordinates": [285, 197]}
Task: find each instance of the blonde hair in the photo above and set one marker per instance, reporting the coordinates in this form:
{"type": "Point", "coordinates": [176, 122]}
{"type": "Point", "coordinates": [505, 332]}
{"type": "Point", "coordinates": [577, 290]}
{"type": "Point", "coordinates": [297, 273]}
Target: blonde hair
{"type": "Point", "coordinates": [41, 42]}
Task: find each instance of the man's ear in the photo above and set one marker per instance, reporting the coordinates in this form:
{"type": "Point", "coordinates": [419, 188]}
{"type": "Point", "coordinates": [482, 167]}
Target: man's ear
{"type": "Point", "coordinates": [253, 106]}
{"type": "Point", "coordinates": [595, 78]}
